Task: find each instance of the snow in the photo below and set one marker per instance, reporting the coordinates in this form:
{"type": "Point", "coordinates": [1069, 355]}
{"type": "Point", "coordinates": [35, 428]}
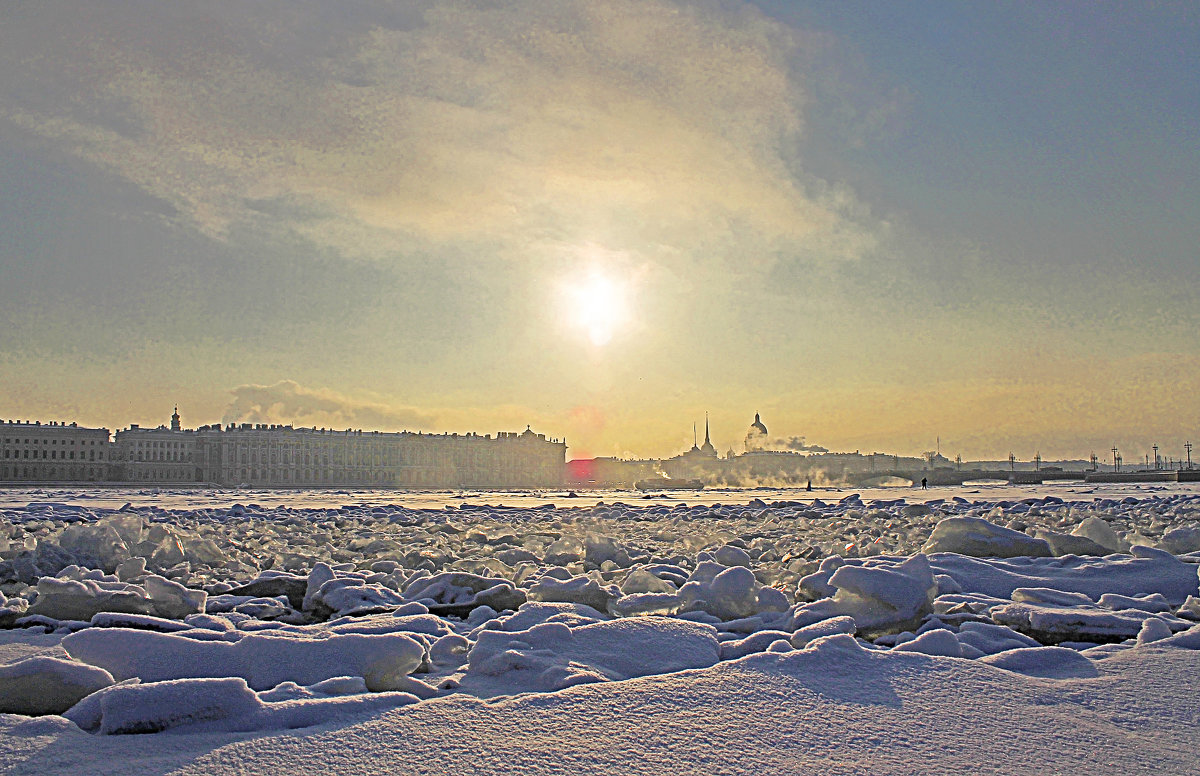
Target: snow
{"type": "Point", "coordinates": [585, 590]}
{"type": "Point", "coordinates": [1181, 540]}
{"type": "Point", "coordinates": [1145, 572]}
{"type": "Point", "coordinates": [1101, 533]}
{"type": "Point", "coordinates": [225, 704]}
{"type": "Point", "coordinates": [553, 655]}
{"type": "Point", "coordinates": [460, 593]}
{"type": "Point", "coordinates": [990, 638]}
{"type": "Point", "coordinates": [71, 599]}
{"type": "Point", "coordinates": [149, 708]}
{"type": "Point", "coordinates": [21, 643]}
{"type": "Point", "coordinates": [976, 536]}
{"type": "Point", "coordinates": [1049, 662]}
{"type": "Point", "coordinates": [933, 642]}
{"type": "Point", "coordinates": [888, 596]}
{"type": "Point", "coordinates": [727, 592]}
{"type": "Point", "coordinates": [365, 635]}
{"type": "Point", "coordinates": [801, 637]}
{"type": "Point", "coordinates": [47, 685]}
{"type": "Point", "coordinates": [1069, 544]}
{"type": "Point", "coordinates": [1051, 624]}
{"type": "Point", "coordinates": [262, 660]}
{"type": "Point", "coordinates": [831, 709]}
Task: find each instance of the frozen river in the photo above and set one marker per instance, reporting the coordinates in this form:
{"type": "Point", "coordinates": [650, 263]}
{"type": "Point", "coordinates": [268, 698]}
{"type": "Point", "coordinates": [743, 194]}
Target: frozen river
{"type": "Point", "coordinates": [197, 498]}
{"type": "Point", "coordinates": [359, 616]}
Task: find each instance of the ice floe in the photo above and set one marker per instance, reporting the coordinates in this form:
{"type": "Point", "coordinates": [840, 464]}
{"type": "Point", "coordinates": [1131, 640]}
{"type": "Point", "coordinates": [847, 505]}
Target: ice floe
{"type": "Point", "coordinates": [250, 618]}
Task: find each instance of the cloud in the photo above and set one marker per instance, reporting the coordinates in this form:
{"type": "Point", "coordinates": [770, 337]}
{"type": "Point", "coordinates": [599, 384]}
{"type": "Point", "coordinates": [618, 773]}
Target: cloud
{"type": "Point", "coordinates": [661, 128]}
{"type": "Point", "coordinates": [290, 402]}
{"type": "Point", "coordinates": [798, 444]}
{"type": "Point", "coordinates": [757, 440]}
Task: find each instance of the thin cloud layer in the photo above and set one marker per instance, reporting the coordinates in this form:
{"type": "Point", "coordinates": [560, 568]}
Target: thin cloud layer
{"type": "Point", "coordinates": [290, 402]}
{"type": "Point", "coordinates": [512, 130]}
{"type": "Point", "coordinates": [826, 225]}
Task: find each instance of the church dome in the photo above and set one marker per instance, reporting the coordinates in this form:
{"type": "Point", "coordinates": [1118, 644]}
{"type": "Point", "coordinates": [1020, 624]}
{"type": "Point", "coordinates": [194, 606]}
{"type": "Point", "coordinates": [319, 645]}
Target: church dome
{"type": "Point", "coordinates": [756, 437]}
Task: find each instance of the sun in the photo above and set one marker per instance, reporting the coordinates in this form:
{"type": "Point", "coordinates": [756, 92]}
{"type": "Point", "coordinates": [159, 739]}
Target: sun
{"type": "Point", "coordinates": [596, 304]}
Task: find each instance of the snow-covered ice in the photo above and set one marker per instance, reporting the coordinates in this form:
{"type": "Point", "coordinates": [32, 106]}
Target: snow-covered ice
{"type": "Point", "coordinates": [47, 685]}
{"type": "Point", "coordinates": [262, 659]}
{"type": "Point", "coordinates": [191, 613]}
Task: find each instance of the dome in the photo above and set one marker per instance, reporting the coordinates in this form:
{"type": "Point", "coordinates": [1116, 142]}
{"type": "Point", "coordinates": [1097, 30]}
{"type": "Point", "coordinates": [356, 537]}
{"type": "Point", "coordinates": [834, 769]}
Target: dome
{"type": "Point", "coordinates": [756, 437]}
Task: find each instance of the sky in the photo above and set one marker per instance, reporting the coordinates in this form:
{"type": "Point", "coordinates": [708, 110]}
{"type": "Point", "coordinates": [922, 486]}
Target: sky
{"type": "Point", "coordinates": [878, 225]}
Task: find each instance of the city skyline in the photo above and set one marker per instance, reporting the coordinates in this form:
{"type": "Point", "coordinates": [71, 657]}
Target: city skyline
{"type": "Point", "coordinates": [756, 439]}
{"type": "Point", "coordinates": [875, 226]}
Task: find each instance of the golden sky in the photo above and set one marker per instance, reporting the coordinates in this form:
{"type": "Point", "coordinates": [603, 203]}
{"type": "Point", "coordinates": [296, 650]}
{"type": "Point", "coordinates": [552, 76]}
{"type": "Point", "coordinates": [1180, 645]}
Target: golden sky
{"type": "Point", "coordinates": [876, 227]}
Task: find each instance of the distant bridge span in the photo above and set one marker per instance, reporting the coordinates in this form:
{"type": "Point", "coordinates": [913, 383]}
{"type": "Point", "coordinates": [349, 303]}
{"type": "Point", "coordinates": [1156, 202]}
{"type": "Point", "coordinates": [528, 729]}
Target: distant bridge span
{"type": "Point", "coordinates": [959, 476]}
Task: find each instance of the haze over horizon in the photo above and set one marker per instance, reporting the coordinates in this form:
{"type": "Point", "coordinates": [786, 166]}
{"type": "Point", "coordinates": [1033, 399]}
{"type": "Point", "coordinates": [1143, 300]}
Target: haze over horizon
{"type": "Point", "coordinates": [873, 225]}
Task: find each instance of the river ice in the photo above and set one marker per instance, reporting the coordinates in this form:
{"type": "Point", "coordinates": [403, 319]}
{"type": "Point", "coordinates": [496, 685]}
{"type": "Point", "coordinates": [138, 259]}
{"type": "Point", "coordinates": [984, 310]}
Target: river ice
{"type": "Point", "coordinates": [343, 615]}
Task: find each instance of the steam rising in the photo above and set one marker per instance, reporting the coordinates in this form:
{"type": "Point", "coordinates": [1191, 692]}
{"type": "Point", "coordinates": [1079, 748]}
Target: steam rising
{"type": "Point", "coordinates": [798, 444]}
{"type": "Point", "coordinates": [290, 402]}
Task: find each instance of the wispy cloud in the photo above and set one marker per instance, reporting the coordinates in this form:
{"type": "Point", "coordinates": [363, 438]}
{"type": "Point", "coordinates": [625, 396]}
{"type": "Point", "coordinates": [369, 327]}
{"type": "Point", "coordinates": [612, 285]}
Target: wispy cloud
{"type": "Point", "coordinates": [656, 127]}
{"type": "Point", "coordinates": [290, 402]}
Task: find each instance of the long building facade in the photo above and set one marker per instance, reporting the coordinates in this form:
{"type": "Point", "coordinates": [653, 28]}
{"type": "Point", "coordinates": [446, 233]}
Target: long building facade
{"type": "Point", "coordinates": [33, 451]}
{"type": "Point", "coordinates": [271, 455]}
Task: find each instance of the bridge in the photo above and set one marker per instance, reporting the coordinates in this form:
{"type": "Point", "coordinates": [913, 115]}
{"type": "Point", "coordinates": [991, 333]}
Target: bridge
{"type": "Point", "coordinates": [945, 476]}
{"type": "Point", "coordinates": [1154, 475]}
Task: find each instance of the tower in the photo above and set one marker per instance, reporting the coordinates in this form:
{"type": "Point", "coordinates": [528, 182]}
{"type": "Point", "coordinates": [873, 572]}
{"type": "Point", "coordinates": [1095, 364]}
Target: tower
{"type": "Point", "coordinates": [175, 419]}
{"type": "Point", "coordinates": [708, 448]}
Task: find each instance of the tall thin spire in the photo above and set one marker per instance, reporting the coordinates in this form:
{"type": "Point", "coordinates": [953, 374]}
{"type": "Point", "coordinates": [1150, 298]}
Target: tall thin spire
{"type": "Point", "coordinates": [706, 440]}
{"type": "Point", "coordinates": [694, 435]}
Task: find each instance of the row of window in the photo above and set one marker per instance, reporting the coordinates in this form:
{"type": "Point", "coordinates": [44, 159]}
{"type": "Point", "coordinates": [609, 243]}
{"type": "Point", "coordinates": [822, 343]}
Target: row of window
{"type": "Point", "coordinates": [314, 475]}
{"type": "Point", "coordinates": [71, 442]}
{"type": "Point", "coordinates": [160, 455]}
{"type": "Point", "coordinates": [336, 476]}
{"type": "Point", "coordinates": [47, 473]}
{"type": "Point", "coordinates": [51, 454]}
{"type": "Point", "coordinates": [311, 460]}
{"type": "Point", "coordinates": [166, 475]}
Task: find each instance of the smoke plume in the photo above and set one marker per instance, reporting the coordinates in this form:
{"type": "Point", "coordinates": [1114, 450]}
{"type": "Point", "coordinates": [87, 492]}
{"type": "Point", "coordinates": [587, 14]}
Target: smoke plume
{"type": "Point", "coordinates": [289, 402]}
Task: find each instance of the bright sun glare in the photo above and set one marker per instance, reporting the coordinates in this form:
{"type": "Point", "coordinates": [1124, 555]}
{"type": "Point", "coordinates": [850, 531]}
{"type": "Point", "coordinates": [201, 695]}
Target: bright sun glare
{"type": "Point", "coordinates": [597, 305]}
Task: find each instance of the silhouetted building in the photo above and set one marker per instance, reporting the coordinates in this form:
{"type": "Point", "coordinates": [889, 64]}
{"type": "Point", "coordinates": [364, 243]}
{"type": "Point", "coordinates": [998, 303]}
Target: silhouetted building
{"type": "Point", "coordinates": [756, 437]}
{"type": "Point", "coordinates": [609, 472]}
{"type": "Point", "coordinates": [52, 452]}
{"type": "Point", "coordinates": [707, 449]}
{"type": "Point", "coordinates": [283, 456]}
{"type": "Point", "coordinates": [270, 455]}
{"type": "Point", "coordinates": [157, 454]}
